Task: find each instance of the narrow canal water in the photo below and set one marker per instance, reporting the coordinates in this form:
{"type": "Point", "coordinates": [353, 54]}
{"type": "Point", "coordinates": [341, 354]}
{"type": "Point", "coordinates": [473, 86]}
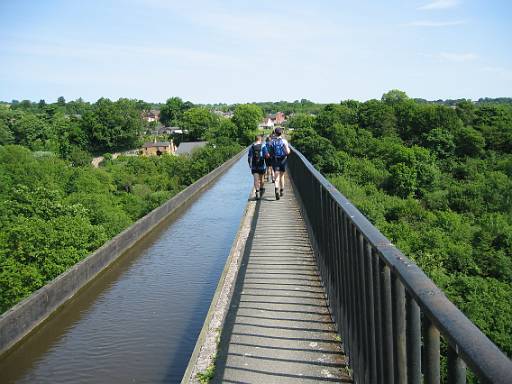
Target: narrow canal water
{"type": "Point", "coordinates": [138, 322]}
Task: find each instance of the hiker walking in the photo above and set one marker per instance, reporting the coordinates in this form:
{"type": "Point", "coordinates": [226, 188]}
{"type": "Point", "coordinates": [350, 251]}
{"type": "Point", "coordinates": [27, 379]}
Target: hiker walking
{"type": "Point", "coordinates": [268, 161]}
{"type": "Point", "coordinates": [256, 157]}
{"type": "Point", "coordinates": [279, 152]}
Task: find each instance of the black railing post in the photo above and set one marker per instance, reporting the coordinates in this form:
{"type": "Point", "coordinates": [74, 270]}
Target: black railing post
{"type": "Point", "coordinates": [387, 318]}
{"type": "Point", "coordinates": [347, 285]}
{"type": "Point", "coordinates": [456, 367]}
{"type": "Point", "coordinates": [358, 344]}
{"type": "Point", "coordinates": [378, 315]}
{"type": "Point", "coordinates": [370, 304]}
{"type": "Point", "coordinates": [361, 251]}
{"type": "Point", "coordinates": [432, 352]}
{"type": "Point", "coordinates": [400, 355]}
{"type": "Point", "coordinates": [413, 341]}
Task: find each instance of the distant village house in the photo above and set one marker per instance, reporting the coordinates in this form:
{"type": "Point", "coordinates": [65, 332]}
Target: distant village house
{"type": "Point", "coordinates": [272, 120]}
{"type": "Point", "coordinates": [158, 148]}
{"type": "Point", "coordinates": [169, 131]}
{"type": "Point", "coordinates": [267, 123]}
{"type": "Point", "coordinates": [279, 118]}
{"type": "Point", "coordinates": [228, 114]}
{"type": "Point", "coordinates": [152, 115]}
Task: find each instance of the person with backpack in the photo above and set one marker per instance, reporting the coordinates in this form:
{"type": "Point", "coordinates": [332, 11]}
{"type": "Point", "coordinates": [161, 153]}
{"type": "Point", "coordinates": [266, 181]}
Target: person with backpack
{"type": "Point", "coordinates": [268, 161]}
{"type": "Point", "coordinates": [279, 152]}
{"type": "Point", "coordinates": [256, 157]}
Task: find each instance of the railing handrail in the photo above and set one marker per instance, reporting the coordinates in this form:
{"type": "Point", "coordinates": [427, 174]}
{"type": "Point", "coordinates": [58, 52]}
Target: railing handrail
{"type": "Point", "coordinates": [481, 355]}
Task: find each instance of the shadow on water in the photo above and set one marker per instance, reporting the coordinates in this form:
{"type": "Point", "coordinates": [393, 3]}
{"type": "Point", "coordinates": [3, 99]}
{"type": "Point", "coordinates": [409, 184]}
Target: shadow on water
{"type": "Point", "coordinates": [179, 362]}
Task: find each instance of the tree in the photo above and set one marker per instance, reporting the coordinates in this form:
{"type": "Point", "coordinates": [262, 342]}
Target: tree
{"type": "Point", "coordinates": [466, 111]}
{"type": "Point", "coordinates": [197, 121]}
{"type": "Point", "coordinates": [61, 101]}
{"type": "Point", "coordinates": [301, 121]}
{"type": "Point", "coordinates": [247, 117]}
{"type": "Point", "coordinates": [394, 97]}
{"type": "Point", "coordinates": [495, 123]}
{"type": "Point", "coordinates": [332, 114]}
{"type": "Point", "coordinates": [440, 141]}
{"type": "Point", "coordinates": [77, 107]}
{"type": "Point", "coordinates": [113, 125]}
{"type": "Point", "coordinates": [172, 111]}
{"type": "Point", "coordinates": [30, 130]}
{"type": "Point", "coordinates": [224, 133]}
{"type": "Point", "coordinates": [377, 117]}
{"type": "Point", "coordinates": [317, 148]}
{"type": "Point", "coordinates": [469, 142]}
{"type": "Point", "coordinates": [6, 136]}
{"type": "Point", "coordinates": [429, 117]}
{"type": "Point", "coordinates": [403, 180]}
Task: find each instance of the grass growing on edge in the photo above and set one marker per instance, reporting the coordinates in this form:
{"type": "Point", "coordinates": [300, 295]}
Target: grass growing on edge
{"type": "Point", "coordinates": [207, 375]}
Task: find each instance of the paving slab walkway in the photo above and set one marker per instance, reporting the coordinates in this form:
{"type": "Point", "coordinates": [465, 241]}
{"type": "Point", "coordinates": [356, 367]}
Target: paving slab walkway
{"type": "Point", "coordinates": [278, 328]}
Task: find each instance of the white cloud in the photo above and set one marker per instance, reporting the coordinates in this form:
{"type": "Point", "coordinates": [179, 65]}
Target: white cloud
{"type": "Point", "coordinates": [102, 52]}
{"type": "Point", "coordinates": [458, 57]}
{"type": "Point", "coordinates": [261, 25]}
{"type": "Point", "coordinates": [500, 71]}
{"type": "Point", "coordinates": [439, 4]}
{"type": "Point", "coordinates": [453, 57]}
{"type": "Point", "coordinates": [435, 24]}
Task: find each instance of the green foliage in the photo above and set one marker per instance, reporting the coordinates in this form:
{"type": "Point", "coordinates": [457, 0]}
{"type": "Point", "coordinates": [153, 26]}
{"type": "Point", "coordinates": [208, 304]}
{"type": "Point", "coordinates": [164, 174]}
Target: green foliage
{"type": "Point", "coordinates": [301, 121]}
{"type": "Point", "coordinates": [172, 111]}
{"type": "Point", "coordinates": [206, 376]}
{"type": "Point", "coordinates": [440, 141]}
{"type": "Point", "coordinates": [223, 133]}
{"type": "Point", "coordinates": [247, 118]}
{"type": "Point", "coordinates": [303, 106]}
{"type": "Point", "coordinates": [394, 97]}
{"type": "Point", "coordinates": [378, 117]}
{"type": "Point", "coordinates": [437, 181]}
{"type": "Point", "coordinates": [469, 142]}
{"type": "Point", "coordinates": [197, 121]}
{"type": "Point", "coordinates": [317, 148]}
{"type": "Point", "coordinates": [486, 301]}
{"type": "Point", "coordinates": [6, 136]}
{"type": "Point", "coordinates": [113, 125]}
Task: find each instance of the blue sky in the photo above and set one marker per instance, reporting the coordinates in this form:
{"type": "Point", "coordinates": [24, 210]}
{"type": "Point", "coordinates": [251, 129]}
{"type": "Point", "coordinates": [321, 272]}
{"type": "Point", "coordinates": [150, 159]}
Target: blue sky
{"type": "Point", "coordinates": [243, 51]}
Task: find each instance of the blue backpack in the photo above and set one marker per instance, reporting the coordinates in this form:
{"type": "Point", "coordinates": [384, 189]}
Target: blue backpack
{"type": "Point", "coordinates": [278, 148]}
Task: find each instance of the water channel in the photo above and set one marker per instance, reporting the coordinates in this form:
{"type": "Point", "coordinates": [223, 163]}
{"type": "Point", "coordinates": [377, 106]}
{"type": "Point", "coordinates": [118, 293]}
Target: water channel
{"type": "Point", "coordinates": [138, 321]}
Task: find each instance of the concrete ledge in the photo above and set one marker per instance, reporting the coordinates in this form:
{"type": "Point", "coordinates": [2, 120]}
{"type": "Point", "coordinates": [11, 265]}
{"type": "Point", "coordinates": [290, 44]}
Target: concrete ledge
{"type": "Point", "coordinates": [20, 320]}
{"type": "Point", "coordinates": [206, 347]}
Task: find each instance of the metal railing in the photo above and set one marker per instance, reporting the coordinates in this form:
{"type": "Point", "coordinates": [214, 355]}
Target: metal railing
{"type": "Point", "coordinates": [389, 314]}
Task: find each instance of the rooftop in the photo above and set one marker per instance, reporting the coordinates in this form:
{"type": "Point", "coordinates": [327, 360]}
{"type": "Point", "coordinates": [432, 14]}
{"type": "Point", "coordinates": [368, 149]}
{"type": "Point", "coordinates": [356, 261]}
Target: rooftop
{"type": "Point", "coordinates": [189, 147]}
{"type": "Point", "coordinates": [157, 144]}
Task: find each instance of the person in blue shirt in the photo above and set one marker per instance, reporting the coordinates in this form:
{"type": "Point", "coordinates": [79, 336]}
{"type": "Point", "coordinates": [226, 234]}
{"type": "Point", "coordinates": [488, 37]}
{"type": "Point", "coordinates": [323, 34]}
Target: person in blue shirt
{"type": "Point", "coordinates": [280, 151]}
{"type": "Point", "coordinates": [256, 158]}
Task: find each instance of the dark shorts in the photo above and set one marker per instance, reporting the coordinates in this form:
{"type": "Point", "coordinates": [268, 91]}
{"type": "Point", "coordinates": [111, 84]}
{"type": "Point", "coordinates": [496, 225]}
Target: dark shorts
{"type": "Point", "coordinates": [259, 171]}
{"type": "Point", "coordinates": [268, 162]}
{"type": "Point", "coordinates": [279, 164]}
